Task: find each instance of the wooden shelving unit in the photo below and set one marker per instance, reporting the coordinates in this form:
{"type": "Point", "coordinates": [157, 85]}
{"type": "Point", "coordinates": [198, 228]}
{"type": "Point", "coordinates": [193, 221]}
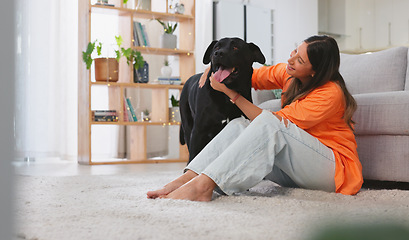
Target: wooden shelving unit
{"type": "Point", "coordinates": [117, 90]}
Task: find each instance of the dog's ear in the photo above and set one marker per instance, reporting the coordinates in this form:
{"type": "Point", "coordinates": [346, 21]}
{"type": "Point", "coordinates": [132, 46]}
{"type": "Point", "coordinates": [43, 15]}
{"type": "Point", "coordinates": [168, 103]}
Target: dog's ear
{"type": "Point", "coordinates": [208, 53]}
{"type": "Point", "coordinates": [257, 54]}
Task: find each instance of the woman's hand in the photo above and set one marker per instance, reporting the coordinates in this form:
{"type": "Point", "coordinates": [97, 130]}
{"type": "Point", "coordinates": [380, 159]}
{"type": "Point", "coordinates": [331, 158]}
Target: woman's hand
{"type": "Point", "coordinates": [215, 84]}
{"type": "Point", "coordinates": [203, 78]}
{"type": "Point", "coordinates": [218, 86]}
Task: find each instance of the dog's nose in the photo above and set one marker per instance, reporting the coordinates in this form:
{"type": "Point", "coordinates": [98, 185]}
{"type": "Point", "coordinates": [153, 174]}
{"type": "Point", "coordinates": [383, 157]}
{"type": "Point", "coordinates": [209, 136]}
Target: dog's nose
{"type": "Point", "coordinates": [219, 53]}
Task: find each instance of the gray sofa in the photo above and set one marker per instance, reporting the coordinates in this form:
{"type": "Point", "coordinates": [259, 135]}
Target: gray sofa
{"type": "Point", "coordinates": [379, 83]}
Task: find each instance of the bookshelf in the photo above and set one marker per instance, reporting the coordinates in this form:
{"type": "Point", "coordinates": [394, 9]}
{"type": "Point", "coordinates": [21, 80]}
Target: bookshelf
{"type": "Point", "coordinates": [137, 132]}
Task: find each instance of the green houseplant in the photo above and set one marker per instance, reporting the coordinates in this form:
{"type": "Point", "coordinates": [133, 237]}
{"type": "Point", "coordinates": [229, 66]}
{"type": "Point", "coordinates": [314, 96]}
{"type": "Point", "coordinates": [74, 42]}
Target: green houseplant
{"type": "Point", "coordinates": [106, 69]}
{"type": "Point", "coordinates": [174, 101]}
{"type": "Point", "coordinates": [132, 56]}
{"type": "Point", "coordinates": [168, 27]}
{"type": "Point", "coordinates": [174, 112]}
{"type": "Point", "coordinates": [168, 39]}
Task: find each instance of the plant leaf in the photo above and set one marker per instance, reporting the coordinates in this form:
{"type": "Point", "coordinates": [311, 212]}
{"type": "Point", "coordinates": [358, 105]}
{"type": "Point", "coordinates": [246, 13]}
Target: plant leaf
{"type": "Point", "coordinates": [99, 48]}
{"type": "Point", "coordinates": [119, 40]}
{"type": "Point", "coordinates": [174, 101]}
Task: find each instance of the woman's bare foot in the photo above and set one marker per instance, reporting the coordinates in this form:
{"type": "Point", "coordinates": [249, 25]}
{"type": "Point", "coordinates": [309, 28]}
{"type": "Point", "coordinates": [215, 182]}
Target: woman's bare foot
{"type": "Point", "coordinates": [170, 187]}
{"type": "Point", "coordinates": [199, 188]}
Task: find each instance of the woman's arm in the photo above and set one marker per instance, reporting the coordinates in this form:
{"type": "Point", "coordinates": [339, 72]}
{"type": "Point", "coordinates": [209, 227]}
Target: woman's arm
{"type": "Point", "coordinates": [248, 108]}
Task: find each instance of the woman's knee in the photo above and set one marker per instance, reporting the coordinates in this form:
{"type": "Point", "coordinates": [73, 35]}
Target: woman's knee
{"type": "Point", "coordinates": [238, 123]}
{"type": "Point", "coordinates": [267, 118]}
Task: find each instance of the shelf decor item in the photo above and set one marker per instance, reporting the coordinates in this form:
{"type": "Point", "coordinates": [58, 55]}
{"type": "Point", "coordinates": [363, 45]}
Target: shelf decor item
{"type": "Point", "coordinates": [168, 39]}
{"type": "Point", "coordinates": [174, 112]}
{"type": "Point", "coordinates": [105, 3]}
{"type": "Point", "coordinates": [166, 70]}
{"type": "Point", "coordinates": [106, 69]}
{"type": "Point", "coordinates": [145, 115]}
{"type": "Point", "coordinates": [137, 4]}
{"type": "Point", "coordinates": [170, 80]}
{"type": "Point", "coordinates": [141, 75]}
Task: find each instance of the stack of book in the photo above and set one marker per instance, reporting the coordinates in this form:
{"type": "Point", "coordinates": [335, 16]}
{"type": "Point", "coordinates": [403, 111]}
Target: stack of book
{"type": "Point", "coordinates": [170, 80]}
{"type": "Point", "coordinates": [139, 34]}
{"type": "Point", "coordinates": [104, 116]}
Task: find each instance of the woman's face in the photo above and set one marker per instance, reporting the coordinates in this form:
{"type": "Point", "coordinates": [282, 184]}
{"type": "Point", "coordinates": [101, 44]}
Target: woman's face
{"type": "Point", "coordinates": [299, 65]}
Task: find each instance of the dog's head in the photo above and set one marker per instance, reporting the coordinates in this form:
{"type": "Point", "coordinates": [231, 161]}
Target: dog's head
{"type": "Point", "coordinates": [232, 58]}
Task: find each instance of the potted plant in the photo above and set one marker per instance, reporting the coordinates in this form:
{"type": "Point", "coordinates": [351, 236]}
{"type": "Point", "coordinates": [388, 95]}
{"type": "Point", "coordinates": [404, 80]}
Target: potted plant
{"type": "Point", "coordinates": [145, 115]}
{"type": "Point", "coordinates": [168, 39]}
{"type": "Point", "coordinates": [134, 58]}
{"type": "Point", "coordinates": [174, 113]}
{"type": "Point", "coordinates": [106, 69]}
{"type": "Point", "coordinates": [166, 70]}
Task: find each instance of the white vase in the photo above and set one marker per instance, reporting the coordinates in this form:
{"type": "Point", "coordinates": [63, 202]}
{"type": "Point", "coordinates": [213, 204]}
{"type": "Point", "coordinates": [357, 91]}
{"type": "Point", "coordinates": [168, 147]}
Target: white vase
{"type": "Point", "coordinates": [168, 41]}
{"type": "Point", "coordinates": [166, 71]}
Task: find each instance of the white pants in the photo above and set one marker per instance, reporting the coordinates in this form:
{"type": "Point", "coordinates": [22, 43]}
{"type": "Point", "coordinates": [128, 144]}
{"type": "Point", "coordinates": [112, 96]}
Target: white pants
{"type": "Point", "coordinates": [244, 153]}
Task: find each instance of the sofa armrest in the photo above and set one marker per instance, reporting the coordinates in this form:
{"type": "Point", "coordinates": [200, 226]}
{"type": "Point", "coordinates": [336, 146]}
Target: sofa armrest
{"type": "Point", "coordinates": [383, 113]}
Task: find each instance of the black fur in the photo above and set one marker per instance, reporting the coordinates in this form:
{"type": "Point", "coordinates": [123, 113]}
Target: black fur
{"type": "Point", "coordinates": [205, 111]}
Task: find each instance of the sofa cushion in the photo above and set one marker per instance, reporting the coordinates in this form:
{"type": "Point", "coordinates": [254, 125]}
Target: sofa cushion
{"type": "Point", "coordinates": [381, 71]}
{"type": "Point", "coordinates": [384, 113]}
{"type": "Point", "coordinates": [377, 113]}
{"type": "Point", "coordinates": [260, 96]}
{"type": "Point", "coordinates": [271, 105]}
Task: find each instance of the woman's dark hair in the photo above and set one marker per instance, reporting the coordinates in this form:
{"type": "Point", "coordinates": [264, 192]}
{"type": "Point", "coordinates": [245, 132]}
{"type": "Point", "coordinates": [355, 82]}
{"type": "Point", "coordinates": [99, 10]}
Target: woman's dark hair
{"type": "Point", "coordinates": [323, 54]}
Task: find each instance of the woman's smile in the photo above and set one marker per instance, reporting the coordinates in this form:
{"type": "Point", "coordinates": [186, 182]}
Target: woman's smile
{"type": "Point", "coordinates": [289, 68]}
{"type": "Point", "coordinates": [299, 65]}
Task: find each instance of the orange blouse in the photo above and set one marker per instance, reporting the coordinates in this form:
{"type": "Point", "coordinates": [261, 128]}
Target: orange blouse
{"type": "Point", "coordinates": [320, 114]}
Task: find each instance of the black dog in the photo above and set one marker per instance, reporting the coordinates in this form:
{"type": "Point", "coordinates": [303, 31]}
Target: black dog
{"type": "Point", "coordinates": [205, 111]}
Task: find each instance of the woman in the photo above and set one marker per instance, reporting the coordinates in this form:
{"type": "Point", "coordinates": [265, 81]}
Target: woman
{"type": "Point", "coordinates": [309, 143]}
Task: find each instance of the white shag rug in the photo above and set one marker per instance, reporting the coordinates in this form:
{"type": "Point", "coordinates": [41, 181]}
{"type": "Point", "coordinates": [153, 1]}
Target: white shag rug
{"type": "Point", "coordinates": [115, 207]}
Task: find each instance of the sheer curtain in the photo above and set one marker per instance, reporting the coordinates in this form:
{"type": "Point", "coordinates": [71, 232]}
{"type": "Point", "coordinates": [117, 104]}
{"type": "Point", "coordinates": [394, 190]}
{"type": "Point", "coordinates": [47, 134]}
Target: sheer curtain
{"type": "Point", "coordinates": [46, 87]}
{"type": "Point", "coordinates": [46, 68]}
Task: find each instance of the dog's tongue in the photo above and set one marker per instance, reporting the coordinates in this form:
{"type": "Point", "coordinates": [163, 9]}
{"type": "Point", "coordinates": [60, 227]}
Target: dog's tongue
{"type": "Point", "coordinates": [222, 74]}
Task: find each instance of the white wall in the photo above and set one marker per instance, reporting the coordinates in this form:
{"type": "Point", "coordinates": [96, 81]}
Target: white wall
{"type": "Point", "coordinates": [294, 20]}
{"type": "Point", "coordinates": [365, 25]}
{"type": "Point", "coordinates": [203, 30]}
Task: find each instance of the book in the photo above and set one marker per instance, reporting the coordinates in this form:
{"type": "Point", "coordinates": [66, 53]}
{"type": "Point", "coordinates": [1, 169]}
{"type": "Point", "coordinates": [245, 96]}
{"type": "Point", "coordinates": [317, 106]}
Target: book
{"type": "Point", "coordinates": [134, 118]}
{"type": "Point", "coordinates": [148, 44]}
{"type": "Point", "coordinates": [170, 80]}
{"type": "Point", "coordinates": [135, 35]}
{"type": "Point", "coordinates": [104, 113]}
{"type": "Point", "coordinates": [126, 111]}
{"type": "Point", "coordinates": [139, 34]}
{"type": "Point", "coordinates": [105, 118]}
{"type": "Point", "coordinates": [106, 4]}
{"type": "Point", "coordinates": [142, 34]}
